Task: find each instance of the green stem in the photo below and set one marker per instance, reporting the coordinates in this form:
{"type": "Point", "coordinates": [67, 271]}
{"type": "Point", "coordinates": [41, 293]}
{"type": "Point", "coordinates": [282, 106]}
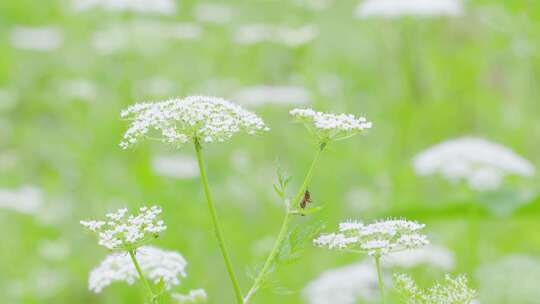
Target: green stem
{"type": "Point", "coordinates": [215, 222]}
{"type": "Point", "coordinates": [379, 277]}
{"type": "Point", "coordinates": [283, 231]}
{"type": "Point", "coordinates": [141, 275]}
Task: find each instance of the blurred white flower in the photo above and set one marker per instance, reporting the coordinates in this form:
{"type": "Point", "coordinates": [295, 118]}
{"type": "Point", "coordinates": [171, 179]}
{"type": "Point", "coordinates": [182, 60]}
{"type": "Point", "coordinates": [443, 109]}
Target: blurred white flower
{"type": "Point", "coordinates": [315, 5]}
{"type": "Point", "coordinates": [214, 13]}
{"type": "Point", "coordinates": [511, 279]}
{"type": "Point", "coordinates": [281, 95]}
{"type": "Point", "coordinates": [8, 100]}
{"type": "Point", "coordinates": [344, 285]}
{"type": "Point", "coordinates": [452, 291]}
{"type": "Point", "coordinates": [46, 38]}
{"type": "Point", "coordinates": [155, 86]}
{"type": "Point", "coordinates": [83, 89]}
{"type": "Point", "coordinates": [121, 231]}
{"type": "Point", "coordinates": [398, 8]}
{"type": "Point", "coordinates": [175, 166]}
{"type": "Point", "coordinates": [376, 239]}
{"type": "Point", "coordinates": [482, 164]}
{"type": "Point", "coordinates": [259, 33]}
{"type": "Point", "coordinates": [194, 296]}
{"type": "Point", "coordinates": [163, 7]}
{"type": "Point", "coordinates": [26, 199]}
{"type": "Point", "coordinates": [54, 250]}
{"type": "Point", "coordinates": [432, 255]}
{"type": "Point", "coordinates": [156, 265]}
{"type": "Point", "coordinates": [328, 126]}
{"type": "Point", "coordinates": [142, 36]}
{"type": "Point", "coordinates": [179, 120]}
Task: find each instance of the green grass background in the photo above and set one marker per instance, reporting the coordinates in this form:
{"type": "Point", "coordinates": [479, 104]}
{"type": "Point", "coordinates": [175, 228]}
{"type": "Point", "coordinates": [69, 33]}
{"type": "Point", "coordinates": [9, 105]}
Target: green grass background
{"type": "Point", "coordinates": [478, 74]}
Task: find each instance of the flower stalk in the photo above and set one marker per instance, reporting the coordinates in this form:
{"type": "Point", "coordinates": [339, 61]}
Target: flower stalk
{"type": "Point", "coordinates": [215, 222]}
{"type": "Point", "coordinates": [142, 277]}
{"type": "Point", "coordinates": [284, 228]}
{"type": "Point", "coordinates": [379, 277]}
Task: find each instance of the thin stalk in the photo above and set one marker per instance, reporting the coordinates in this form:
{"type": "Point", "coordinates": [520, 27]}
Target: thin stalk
{"type": "Point", "coordinates": [141, 275]}
{"type": "Point", "coordinates": [379, 277]}
{"type": "Point", "coordinates": [283, 231]}
{"type": "Point", "coordinates": [215, 222]}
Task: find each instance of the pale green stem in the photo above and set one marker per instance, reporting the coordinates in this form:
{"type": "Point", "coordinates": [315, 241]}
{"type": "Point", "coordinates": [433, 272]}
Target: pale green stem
{"type": "Point", "coordinates": [379, 277]}
{"type": "Point", "coordinates": [283, 231]}
{"type": "Point", "coordinates": [141, 275]}
{"type": "Point", "coordinates": [215, 222]}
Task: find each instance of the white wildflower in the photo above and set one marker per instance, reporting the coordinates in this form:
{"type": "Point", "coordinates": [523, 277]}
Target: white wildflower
{"type": "Point", "coordinates": [120, 231]}
{"type": "Point", "coordinates": [314, 5]}
{"type": "Point", "coordinates": [453, 291]}
{"type": "Point", "coordinates": [194, 296]}
{"type": "Point", "coordinates": [162, 7]}
{"type": "Point", "coordinates": [175, 166]}
{"type": "Point", "coordinates": [214, 13]}
{"type": "Point", "coordinates": [142, 35]}
{"type": "Point", "coordinates": [344, 285]}
{"type": "Point", "coordinates": [432, 255]}
{"type": "Point", "coordinates": [482, 164]}
{"type": "Point", "coordinates": [26, 199]}
{"type": "Point", "coordinates": [510, 279]}
{"type": "Point", "coordinates": [399, 8]}
{"type": "Point", "coordinates": [258, 33]}
{"type": "Point", "coordinates": [376, 239]}
{"type": "Point", "coordinates": [280, 95]}
{"type": "Point", "coordinates": [156, 265]}
{"type": "Point", "coordinates": [328, 126]}
{"type": "Point", "coordinates": [177, 121]}
{"type": "Point", "coordinates": [79, 89]}
{"type": "Point", "coordinates": [45, 38]}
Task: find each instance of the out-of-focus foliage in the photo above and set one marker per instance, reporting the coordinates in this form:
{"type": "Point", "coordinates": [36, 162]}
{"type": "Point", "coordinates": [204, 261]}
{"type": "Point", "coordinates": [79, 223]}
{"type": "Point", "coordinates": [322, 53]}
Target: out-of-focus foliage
{"type": "Point", "coordinates": [66, 73]}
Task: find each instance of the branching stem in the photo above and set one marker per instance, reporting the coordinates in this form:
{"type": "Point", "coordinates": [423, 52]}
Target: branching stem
{"type": "Point", "coordinates": [283, 231]}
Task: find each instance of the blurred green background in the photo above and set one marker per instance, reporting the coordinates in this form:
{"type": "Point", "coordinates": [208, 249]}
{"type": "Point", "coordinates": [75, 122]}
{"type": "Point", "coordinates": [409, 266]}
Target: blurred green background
{"type": "Point", "coordinates": [420, 80]}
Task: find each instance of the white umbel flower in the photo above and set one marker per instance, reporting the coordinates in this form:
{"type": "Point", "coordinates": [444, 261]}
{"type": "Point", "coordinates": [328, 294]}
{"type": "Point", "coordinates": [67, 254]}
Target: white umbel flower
{"type": "Point", "coordinates": [120, 231]}
{"type": "Point", "coordinates": [376, 239]}
{"type": "Point", "coordinates": [162, 7]}
{"type": "Point", "coordinates": [510, 279]}
{"type": "Point", "coordinates": [194, 296]}
{"type": "Point", "coordinates": [179, 120]}
{"type": "Point", "coordinates": [481, 163]}
{"type": "Point", "coordinates": [328, 126]}
{"type": "Point", "coordinates": [452, 291]}
{"type": "Point", "coordinates": [343, 285]}
{"type": "Point", "coordinates": [156, 265]}
{"type": "Point", "coordinates": [43, 39]}
{"type": "Point", "coordinates": [399, 8]}
{"type": "Point", "coordinates": [252, 34]}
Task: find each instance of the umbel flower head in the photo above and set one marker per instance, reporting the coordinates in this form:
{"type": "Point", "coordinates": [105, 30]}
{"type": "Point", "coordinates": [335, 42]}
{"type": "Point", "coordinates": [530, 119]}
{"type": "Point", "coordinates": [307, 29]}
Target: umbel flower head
{"type": "Point", "coordinates": [122, 232]}
{"type": "Point", "coordinates": [453, 291]}
{"type": "Point", "coordinates": [376, 239]}
{"type": "Point", "coordinates": [179, 120]}
{"type": "Point", "coordinates": [194, 296]}
{"type": "Point", "coordinates": [328, 127]}
{"type": "Point", "coordinates": [156, 264]}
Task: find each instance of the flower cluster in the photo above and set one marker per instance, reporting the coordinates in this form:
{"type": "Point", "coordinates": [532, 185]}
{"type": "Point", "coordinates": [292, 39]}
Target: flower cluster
{"type": "Point", "coordinates": [343, 285]}
{"type": "Point", "coordinates": [328, 126]}
{"type": "Point", "coordinates": [156, 264]}
{"type": "Point", "coordinates": [398, 8]}
{"type": "Point", "coordinates": [194, 296]}
{"type": "Point", "coordinates": [377, 239]}
{"type": "Point", "coordinates": [482, 164]}
{"type": "Point", "coordinates": [454, 291]}
{"type": "Point", "coordinates": [164, 7]}
{"type": "Point", "coordinates": [121, 231]}
{"type": "Point", "coordinates": [179, 120]}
